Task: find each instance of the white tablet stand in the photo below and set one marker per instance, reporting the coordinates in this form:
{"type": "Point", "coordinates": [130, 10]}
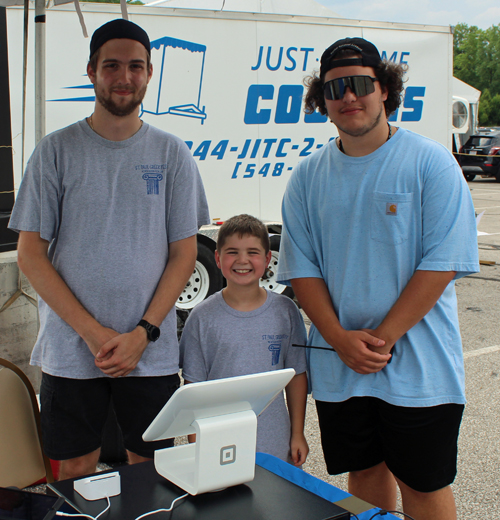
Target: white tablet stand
{"type": "Point", "coordinates": [223, 414]}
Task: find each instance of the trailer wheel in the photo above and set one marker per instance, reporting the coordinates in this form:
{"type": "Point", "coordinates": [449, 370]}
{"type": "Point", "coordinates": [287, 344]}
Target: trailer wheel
{"type": "Point", "coordinates": [205, 280]}
{"type": "Point", "coordinates": [269, 280]}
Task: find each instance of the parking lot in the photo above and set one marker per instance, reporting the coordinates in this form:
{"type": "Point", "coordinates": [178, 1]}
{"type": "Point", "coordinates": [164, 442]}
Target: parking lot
{"type": "Point", "coordinates": [477, 486]}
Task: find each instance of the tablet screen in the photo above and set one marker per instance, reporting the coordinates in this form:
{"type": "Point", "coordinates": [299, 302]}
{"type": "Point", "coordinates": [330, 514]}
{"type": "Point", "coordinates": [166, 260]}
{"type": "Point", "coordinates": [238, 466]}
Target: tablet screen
{"type": "Point", "coordinates": [24, 505]}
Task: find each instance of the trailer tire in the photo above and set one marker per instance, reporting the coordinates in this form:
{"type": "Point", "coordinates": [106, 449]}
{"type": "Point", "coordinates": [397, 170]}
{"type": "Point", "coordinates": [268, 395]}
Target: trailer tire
{"type": "Point", "coordinates": [269, 282]}
{"type": "Point", "coordinates": [205, 280]}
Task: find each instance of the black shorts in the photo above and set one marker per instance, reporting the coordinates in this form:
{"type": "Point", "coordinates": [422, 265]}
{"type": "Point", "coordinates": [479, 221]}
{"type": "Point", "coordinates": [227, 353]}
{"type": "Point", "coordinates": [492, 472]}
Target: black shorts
{"type": "Point", "coordinates": [74, 411]}
{"type": "Point", "coordinates": [419, 445]}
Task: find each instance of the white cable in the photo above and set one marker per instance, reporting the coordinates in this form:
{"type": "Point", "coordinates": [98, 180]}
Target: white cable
{"type": "Point", "coordinates": [162, 510]}
{"type": "Point", "coordinates": [79, 515]}
{"type": "Point", "coordinates": [102, 512]}
{"type": "Point", "coordinates": [82, 515]}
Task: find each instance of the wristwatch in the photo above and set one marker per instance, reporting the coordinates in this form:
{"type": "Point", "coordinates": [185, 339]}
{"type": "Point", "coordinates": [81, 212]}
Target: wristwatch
{"type": "Point", "coordinates": [152, 330]}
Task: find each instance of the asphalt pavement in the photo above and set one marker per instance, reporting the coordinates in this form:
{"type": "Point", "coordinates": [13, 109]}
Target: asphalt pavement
{"type": "Point", "coordinates": [477, 486]}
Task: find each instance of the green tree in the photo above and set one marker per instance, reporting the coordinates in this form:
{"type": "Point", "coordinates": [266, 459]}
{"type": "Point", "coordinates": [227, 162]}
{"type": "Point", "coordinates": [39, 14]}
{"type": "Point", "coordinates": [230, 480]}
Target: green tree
{"type": "Point", "coordinates": [468, 47]}
{"type": "Point", "coordinates": [484, 108]}
{"type": "Point", "coordinates": [489, 66]}
{"type": "Point", "coordinates": [494, 115]}
{"type": "Point", "coordinates": [477, 62]}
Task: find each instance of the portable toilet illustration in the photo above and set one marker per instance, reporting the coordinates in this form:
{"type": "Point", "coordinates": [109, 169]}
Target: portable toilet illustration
{"type": "Point", "coordinates": [175, 87]}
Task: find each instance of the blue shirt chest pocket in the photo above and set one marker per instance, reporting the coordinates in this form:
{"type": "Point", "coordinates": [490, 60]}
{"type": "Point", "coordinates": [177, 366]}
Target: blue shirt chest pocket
{"type": "Point", "coordinates": [391, 217]}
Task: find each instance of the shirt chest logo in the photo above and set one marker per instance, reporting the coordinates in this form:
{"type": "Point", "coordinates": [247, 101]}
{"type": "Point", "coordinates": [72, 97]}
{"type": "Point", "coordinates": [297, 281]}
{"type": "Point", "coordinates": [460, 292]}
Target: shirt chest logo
{"type": "Point", "coordinates": [153, 174]}
{"type": "Point", "coordinates": [274, 346]}
{"type": "Point", "coordinates": [391, 208]}
{"type": "Point", "coordinates": [275, 349]}
{"type": "Point", "coordinates": [153, 182]}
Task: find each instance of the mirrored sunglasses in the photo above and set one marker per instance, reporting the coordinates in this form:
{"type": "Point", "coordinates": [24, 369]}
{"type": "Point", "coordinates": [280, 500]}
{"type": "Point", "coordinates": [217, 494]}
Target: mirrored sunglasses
{"type": "Point", "coordinates": [359, 85]}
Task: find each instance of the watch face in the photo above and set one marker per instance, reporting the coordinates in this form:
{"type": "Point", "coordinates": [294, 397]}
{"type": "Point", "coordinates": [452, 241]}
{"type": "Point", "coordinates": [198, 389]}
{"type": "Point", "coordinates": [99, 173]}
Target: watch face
{"type": "Point", "coordinates": [154, 333]}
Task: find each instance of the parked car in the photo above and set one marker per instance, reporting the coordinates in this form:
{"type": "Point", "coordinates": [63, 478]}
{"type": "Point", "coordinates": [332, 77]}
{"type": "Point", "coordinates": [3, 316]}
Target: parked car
{"type": "Point", "coordinates": [487, 129]}
{"type": "Point", "coordinates": [481, 150]}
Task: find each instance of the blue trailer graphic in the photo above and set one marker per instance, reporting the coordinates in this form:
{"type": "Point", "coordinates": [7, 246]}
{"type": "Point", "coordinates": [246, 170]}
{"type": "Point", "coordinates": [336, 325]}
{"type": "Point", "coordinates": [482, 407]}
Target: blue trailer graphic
{"type": "Point", "coordinates": [175, 87]}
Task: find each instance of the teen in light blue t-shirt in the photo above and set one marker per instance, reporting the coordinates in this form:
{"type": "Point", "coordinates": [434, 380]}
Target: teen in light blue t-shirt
{"type": "Point", "coordinates": [377, 226]}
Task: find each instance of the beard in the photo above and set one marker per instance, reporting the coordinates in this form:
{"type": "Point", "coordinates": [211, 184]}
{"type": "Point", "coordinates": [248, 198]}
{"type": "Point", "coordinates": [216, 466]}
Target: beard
{"type": "Point", "coordinates": [359, 132]}
{"type": "Point", "coordinates": [121, 110]}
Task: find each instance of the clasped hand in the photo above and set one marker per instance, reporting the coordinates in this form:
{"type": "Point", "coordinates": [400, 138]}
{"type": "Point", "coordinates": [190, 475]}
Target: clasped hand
{"type": "Point", "coordinates": [119, 354]}
{"type": "Point", "coordinates": [362, 351]}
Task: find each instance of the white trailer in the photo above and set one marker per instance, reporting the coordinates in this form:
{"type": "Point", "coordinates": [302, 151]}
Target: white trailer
{"type": "Point", "coordinates": [231, 85]}
{"type": "Point", "coordinates": [465, 112]}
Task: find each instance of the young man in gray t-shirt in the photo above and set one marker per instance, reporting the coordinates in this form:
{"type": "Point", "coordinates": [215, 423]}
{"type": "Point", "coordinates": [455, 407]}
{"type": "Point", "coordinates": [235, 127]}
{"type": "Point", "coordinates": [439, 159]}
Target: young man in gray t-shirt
{"type": "Point", "coordinates": [108, 213]}
{"type": "Point", "coordinates": [245, 329]}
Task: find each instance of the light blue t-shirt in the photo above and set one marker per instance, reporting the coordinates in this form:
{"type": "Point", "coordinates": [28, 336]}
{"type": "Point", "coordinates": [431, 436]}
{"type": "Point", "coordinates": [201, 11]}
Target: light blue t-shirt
{"type": "Point", "coordinates": [365, 225]}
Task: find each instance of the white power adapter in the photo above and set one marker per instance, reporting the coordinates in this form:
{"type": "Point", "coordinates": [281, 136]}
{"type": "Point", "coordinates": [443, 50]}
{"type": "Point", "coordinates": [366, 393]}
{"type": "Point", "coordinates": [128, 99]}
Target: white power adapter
{"type": "Point", "coordinates": [99, 486]}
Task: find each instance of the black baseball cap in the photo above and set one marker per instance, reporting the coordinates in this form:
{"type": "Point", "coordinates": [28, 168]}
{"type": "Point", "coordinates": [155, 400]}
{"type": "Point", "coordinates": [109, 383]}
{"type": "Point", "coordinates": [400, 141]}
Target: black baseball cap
{"type": "Point", "coordinates": [370, 56]}
{"type": "Point", "coordinates": [118, 29]}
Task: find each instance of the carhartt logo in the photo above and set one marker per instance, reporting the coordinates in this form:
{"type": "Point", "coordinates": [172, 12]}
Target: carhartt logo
{"type": "Point", "coordinates": [391, 208]}
{"type": "Point", "coordinates": [227, 454]}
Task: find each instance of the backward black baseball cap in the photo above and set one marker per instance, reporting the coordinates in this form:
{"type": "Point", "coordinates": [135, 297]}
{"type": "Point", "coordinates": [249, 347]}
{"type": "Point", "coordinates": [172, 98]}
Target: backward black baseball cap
{"type": "Point", "coordinates": [118, 29]}
{"type": "Point", "coordinates": [370, 56]}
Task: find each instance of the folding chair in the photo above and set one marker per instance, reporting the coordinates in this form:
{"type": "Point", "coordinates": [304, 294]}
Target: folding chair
{"type": "Point", "coordinates": [22, 460]}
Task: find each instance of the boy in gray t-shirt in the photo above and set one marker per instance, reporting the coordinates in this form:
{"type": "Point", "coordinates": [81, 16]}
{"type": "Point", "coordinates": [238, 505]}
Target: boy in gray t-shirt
{"type": "Point", "coordinates": [245, 329]}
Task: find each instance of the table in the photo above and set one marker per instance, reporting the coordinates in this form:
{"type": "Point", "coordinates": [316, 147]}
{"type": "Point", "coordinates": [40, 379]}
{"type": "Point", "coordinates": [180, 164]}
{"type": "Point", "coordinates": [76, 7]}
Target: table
{"type": "Point", "coordinates": [363, 510]}
{"type": "Point", "coordinates": [267, 497]}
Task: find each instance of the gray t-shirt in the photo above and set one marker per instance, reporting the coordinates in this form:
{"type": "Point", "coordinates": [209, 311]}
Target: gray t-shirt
{"type": "Point", "coordinates": [109, 210]}
{"type": "Point", "coordinates": [219, 341]}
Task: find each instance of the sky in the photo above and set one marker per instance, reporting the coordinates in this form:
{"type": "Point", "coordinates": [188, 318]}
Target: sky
{"type": "Point", "coordinates": [483, 13]}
